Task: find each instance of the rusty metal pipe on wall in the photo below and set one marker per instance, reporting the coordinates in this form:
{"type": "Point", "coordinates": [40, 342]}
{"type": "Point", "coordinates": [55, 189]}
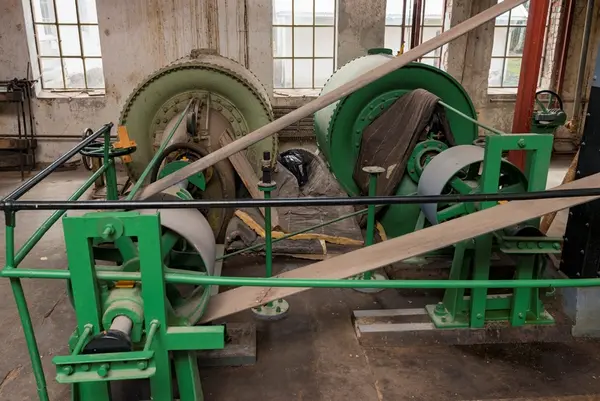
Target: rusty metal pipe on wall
{"type": "Point", "coordinates": [530, 72]}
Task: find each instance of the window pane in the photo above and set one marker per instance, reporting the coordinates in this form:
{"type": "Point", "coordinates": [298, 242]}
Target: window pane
{"type": "Point", "coordinates": [499, 41]}
{"type": "Point", "coordinates": [512, 70]}
{"type": "Point", "coordinates": [303, 74]}
{"type": "Point", "coordinates": [428, 34]}
{"type": "Point", "coordinates": [303, 12]}
{"type": "Point", "coordinates": [324, 42]}
{"type": "Point", "coordinates": [282, 12]}
{"type": "Point", "coordinates": [393, 12]}
{"type": "Point", "coordinates": [324, 12]}
{"type": "Point", "coordinates": [91, 40]}
{"type": "Point", "coordinates": [495, 77]}
{"type": "Point", "coordinates": [303, 42]}
{"type": "Point", "coordinates": [519, 14]}
{"type": "Point", "coordinates": [407, 36]}
{"type": "Point", "coordinates": [323, 70]}
{"type": "Point", "coordinates": [47, 40]}
{"type": "Point", "coordinates": [67, 13]}
{"type": "Point", "coordinates": [504, 18]}
{"type": "Point", "coordinates": [87, 11]}
{"type": "Point", "coordinates": [282, 73]}
{"type": "Point", "coordinates": [429, 61]}
{"type": "Point", "coordinates": [95, 73]}
{"type": "Point", "coordinates": [74, 73]}
{"type": "Point", "coordinates": [516, 41]}
{"type": "Point", "coordinates": [393, 36]}
{"type": "Point", "coordinates": [69, 40]}
{"type": "Point", "coordinates": [52, 77]}
{"type": "Point", "coordinates": [434, 12]}
{"type": "Point", "coordinates": [282, 42]}
{"type": "Point", "coordinates": [43, 11]}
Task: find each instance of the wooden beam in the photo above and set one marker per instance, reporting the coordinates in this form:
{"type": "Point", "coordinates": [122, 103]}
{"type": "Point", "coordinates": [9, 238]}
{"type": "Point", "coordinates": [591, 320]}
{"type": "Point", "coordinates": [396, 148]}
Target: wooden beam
{"type": "Point", "coordinates": [244, 169]}
{"type": "Point", "coordinates": [401, 248]}
{"type": "Point", "coordinates": [329, 98]}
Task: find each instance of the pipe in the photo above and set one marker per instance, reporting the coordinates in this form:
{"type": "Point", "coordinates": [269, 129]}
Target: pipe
{"type": "Point", "coordinates": [329, 98]}
{"type": "Point", "coordinates": [311, 201]}
{"type": "Point", "coordinates": [582, 62]}
{"type": "Point", "coordinates": [530, 73]}
{"type": "Point", "coordinates": [37, 236]}
{"type": "Point", "coordinates": [275, 282]}
{"type": "Point", "coordinates": [480, 124]}
{"type": "Point", "coordinates": [36, 179]}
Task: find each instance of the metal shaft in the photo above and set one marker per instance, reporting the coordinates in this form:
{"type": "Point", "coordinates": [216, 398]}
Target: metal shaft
{"type": "Point", "coordinates": [122, 323]}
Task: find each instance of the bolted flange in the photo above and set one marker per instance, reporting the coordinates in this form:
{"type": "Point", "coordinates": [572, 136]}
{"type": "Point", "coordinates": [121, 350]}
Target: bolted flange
{"type": "Point", "coordinates": [275, 310]}
{"type": "Point", "coordinates": [374, 276]}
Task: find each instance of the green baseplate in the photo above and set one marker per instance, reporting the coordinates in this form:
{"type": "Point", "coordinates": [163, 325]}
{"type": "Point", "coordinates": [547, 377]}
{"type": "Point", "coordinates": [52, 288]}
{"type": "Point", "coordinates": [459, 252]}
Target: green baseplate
{"type": "Point", "coordinates": [339, 127]}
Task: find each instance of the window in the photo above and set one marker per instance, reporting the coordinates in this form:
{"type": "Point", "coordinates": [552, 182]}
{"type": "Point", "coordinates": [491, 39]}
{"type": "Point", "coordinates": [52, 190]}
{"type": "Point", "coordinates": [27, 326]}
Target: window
{"type": "Point", "coordinates": [507, 51]}
{"type": "Point", "coordinates": [431, 21]}
{"type": "Point", "coordinates": [304, 43]}
{"type": "Point", "coordinates": [67, 41]}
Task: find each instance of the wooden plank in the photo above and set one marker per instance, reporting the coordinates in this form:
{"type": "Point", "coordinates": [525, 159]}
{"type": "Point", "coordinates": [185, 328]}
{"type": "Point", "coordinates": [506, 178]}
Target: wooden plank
{"type": "Point", "coordinates": [401, 248]}
{"type": "Point", "coordinates": [329, 98]}
{"type": "Point", "coordinates": [244, 169]}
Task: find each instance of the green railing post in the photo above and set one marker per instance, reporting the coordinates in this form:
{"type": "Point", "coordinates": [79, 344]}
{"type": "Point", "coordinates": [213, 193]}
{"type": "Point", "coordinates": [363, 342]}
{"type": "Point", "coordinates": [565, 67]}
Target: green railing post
{"type": "Point", "coordinates": [373, 172]}
{"type": "Point", "coordinates": [25, 316]}
{"type": "Point", "coordinates": [276, 309]}
{"type": "Point", "coordinates": [112, 192]}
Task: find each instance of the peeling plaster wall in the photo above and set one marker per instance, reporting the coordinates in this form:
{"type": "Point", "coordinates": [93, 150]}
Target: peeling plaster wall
{"type": "Point", "coordinates": [137, 38]}
{"type": "Point", "coordinates": [141, 36]}
{"type": "Point", "coordinates": [361, 26]}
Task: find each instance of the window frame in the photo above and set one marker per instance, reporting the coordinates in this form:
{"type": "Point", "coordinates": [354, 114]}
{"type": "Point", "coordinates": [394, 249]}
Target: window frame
{"type": "Point", "coordinates": [438, 61]}
{"type": "Point", "coordinates": [33, 27]}
{"type": "Point", "coordinates": [313, 58]}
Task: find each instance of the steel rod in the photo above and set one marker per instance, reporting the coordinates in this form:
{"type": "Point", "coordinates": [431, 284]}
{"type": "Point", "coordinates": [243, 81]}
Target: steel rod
{"type": "Point", "coordinates": [29, 333]}
{"type": "Point", "coordinates": [197, 279]}
{"type": "Point", "coordinates": [158, 153]}
{"type": "Point", "coordinates": [36, 179]}
{"type": "Point", "coordinates": [37, 236]}
{"type": "Point", "coordinates": [290, 235]}
{"type": "Point", "coordinates": [460, 113]}
{"type": "Point", "coordinates": [309, 201]}
{"type": "Point", "coordinates": [82, 339]}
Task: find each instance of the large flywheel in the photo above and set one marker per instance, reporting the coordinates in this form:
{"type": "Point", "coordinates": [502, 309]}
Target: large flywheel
{"type": "Point", "coordinates": [228, 98]}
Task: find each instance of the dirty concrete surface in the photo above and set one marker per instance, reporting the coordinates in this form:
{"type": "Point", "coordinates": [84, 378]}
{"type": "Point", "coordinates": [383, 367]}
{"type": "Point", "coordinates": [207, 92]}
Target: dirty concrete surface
{"type": "Point", "coordinates": [313, 354]}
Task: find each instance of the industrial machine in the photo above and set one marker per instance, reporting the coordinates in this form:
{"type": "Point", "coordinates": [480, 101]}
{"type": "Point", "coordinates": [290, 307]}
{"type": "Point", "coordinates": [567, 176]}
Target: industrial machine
{"type": "Point", "coordinates": [226, 97]}
{"type": "Point", "coordinates": [140, 271]}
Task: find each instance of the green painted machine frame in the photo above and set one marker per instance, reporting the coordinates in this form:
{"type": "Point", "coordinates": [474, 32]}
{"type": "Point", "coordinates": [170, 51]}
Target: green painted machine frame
{"type": "Point", "coordinates": [159, 338]}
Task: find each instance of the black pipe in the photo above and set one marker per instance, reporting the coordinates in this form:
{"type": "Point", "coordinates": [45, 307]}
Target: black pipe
{"type": "Point", "coordinates": [278, 202]}
{"type": "Point", "coordinates": [33, 181]}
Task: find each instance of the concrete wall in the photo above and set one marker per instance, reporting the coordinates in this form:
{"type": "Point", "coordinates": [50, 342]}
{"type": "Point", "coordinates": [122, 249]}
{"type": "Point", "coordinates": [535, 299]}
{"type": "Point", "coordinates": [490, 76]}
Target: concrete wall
{"type": "Point", "coordinates": [137, 38]}
{"type": "Point", "coordinates": [140, 36]}
{"type": "Point", "coordinates": [361, 26]}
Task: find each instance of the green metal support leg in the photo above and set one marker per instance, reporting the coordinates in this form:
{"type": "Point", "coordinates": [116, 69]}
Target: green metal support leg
{"type": "Point", "coordinates": [188, 376]}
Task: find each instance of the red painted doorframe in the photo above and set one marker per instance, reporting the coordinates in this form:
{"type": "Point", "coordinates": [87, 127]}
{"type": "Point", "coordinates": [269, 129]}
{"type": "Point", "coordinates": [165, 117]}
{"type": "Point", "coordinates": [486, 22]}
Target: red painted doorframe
{"type": "Point", "coordinates": [530, 73]}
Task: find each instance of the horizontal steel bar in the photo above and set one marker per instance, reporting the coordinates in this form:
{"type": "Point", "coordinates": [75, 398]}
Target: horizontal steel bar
{"type": "Point", "coordinates": [36, 179]}
{"type": "Point", "coordinates": [196, 279]}
{"type": "Point", "coordinates": [37, 236]}
{"type": "Point", "coordinates": [310, 201]}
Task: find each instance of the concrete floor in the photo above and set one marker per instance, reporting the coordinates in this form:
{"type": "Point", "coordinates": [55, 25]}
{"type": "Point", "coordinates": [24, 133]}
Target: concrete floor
{"type": "Point", "coordinates": [311, 355]}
